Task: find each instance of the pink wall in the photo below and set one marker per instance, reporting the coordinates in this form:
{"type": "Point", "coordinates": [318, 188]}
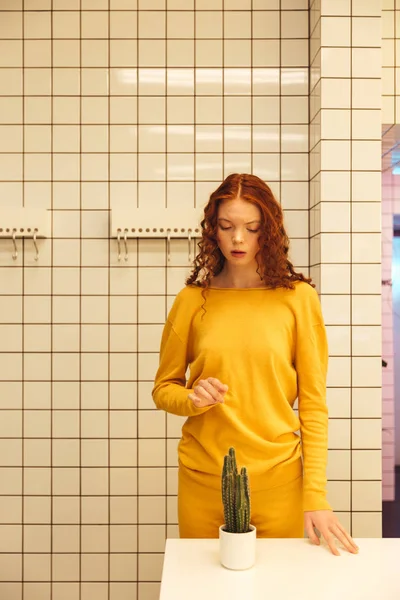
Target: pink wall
{"type": "Point", "coordinates": [390, 206]}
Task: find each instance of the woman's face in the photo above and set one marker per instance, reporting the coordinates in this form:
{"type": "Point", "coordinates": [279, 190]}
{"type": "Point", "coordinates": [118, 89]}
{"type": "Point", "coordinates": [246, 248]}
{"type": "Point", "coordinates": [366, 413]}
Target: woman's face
{"type": "Point", "coordinates": [238, 230]}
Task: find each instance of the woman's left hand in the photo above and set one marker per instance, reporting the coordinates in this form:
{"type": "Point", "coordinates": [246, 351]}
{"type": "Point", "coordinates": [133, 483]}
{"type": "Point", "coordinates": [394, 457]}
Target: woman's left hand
{"type": "Point", "coordinates": [330, 527]}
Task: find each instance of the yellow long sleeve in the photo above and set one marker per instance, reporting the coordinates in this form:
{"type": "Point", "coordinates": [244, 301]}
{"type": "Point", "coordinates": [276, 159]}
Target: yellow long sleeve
{"type": "Point", "coordinates": [311, 365]}
{"type": "Point", "coordinates": [170, 392]}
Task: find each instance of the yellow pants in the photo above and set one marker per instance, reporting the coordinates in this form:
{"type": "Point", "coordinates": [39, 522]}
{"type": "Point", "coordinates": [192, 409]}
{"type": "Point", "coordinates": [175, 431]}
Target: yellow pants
{"type": "Point", "coordinates": [276, 512]}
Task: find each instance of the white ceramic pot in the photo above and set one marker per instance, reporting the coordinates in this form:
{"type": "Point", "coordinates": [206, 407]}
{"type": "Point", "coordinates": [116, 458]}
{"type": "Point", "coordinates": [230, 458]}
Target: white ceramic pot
{"type": "Point", "coordinates": [237, 551]}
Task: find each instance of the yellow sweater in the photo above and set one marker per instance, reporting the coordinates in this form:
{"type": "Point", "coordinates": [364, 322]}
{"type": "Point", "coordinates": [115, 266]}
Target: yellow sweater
{"type": "Point", "coordinates": [269, 347]}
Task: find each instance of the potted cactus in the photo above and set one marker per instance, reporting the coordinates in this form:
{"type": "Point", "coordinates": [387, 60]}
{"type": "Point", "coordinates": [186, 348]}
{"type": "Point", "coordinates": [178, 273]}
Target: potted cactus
{"type": "Point", "coordinates": [237, 537]}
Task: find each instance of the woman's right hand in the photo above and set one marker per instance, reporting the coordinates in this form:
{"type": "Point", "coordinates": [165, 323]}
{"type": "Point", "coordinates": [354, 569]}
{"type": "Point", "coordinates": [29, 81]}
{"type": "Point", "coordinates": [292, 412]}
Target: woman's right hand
{"type": "Point", "coordinates": [207, 392]}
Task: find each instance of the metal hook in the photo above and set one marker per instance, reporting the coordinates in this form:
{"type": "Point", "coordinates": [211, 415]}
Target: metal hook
{"type": "Point", "coordinates": [119, 243]}
{"type": "Point", "coordinates": [190, 246]}
{"type": "Point", "coordinates": [126, 244]}
{"type": "Point", "coordinates": [15, 253]}
{"type": "Point", "coordinates": [34, 243]}
{"type": "Point", "coordinates": [168, 245]}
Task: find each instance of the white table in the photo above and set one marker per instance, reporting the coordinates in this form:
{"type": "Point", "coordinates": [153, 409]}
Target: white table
{"type": "Point", "coordinates": [286, 569]}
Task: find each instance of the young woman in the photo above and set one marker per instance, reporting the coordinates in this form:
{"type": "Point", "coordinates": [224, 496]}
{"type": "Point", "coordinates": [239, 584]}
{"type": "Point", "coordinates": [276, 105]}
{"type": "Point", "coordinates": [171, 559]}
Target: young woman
{"type": "Point", "coordinates": [251, 331]}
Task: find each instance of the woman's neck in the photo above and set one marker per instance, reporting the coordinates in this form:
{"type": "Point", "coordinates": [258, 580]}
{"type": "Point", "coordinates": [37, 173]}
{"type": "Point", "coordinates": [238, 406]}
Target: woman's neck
{"type": "Point", "coordinates": [233, 278]}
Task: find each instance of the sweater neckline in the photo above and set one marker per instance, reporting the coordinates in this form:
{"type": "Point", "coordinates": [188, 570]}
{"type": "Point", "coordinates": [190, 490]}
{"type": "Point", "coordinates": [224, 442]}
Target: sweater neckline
{"type": "Point", "coordinates": [238, 289]}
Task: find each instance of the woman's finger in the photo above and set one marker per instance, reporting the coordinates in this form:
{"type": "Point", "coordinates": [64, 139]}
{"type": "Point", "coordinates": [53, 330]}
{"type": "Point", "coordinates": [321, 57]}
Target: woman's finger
{"type": "Point", "coordinates": [330, 540]}
{"type": "Point", "coordinates": [221, 387]}
{"type": "Point", "coordinates": [203, 394]}
{"type": "Point", "coordinates": [198, 402]}
{"type": "Point", "coordinates": [209, 390]}
{"type": "Point", "coordinates": [312, 534]}
{"type": "Point", "coordinates": [346, 539]}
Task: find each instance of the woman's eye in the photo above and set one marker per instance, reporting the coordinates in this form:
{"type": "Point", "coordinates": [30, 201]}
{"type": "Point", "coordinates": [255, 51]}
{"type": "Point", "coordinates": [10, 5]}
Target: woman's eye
{"type": "Point", "coordinates": [227, 228]}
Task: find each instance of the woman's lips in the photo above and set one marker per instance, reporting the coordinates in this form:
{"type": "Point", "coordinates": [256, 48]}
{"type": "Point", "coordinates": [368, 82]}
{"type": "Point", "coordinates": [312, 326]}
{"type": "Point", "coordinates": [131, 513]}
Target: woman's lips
{"type": "Point", "coordinates": [237, 253]}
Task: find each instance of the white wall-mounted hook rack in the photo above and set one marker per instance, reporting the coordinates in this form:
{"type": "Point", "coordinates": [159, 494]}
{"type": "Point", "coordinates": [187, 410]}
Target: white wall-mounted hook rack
{"type": "Point", "coordinates": [163, 223]}
{"type": "Point", "coordinates": [139, 223]}
{"type": "Point", "coordinates": [20, 222]}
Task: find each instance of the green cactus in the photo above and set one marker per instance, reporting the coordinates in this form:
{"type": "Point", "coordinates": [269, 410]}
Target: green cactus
{"type": "Point", "coordinates": [235, 495]}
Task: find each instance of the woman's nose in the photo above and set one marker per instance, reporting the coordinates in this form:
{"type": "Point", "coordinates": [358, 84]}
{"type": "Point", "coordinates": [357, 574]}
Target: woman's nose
{"type": "Point", "coordinates": [237, 238]}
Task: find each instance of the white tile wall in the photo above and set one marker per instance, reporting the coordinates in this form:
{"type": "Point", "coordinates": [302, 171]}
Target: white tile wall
{"type": "Point", "coordinates": [345, 252]}
{"type": "Point", "coordinates": [109, 102]}
{"type": "Point", "coordinates": [390, 103]}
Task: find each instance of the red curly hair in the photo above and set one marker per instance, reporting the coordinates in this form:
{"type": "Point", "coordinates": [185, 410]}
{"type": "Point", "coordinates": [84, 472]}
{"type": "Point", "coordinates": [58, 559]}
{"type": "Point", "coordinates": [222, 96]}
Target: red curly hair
{"type": "Point", "coordinates": [274, 266]}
